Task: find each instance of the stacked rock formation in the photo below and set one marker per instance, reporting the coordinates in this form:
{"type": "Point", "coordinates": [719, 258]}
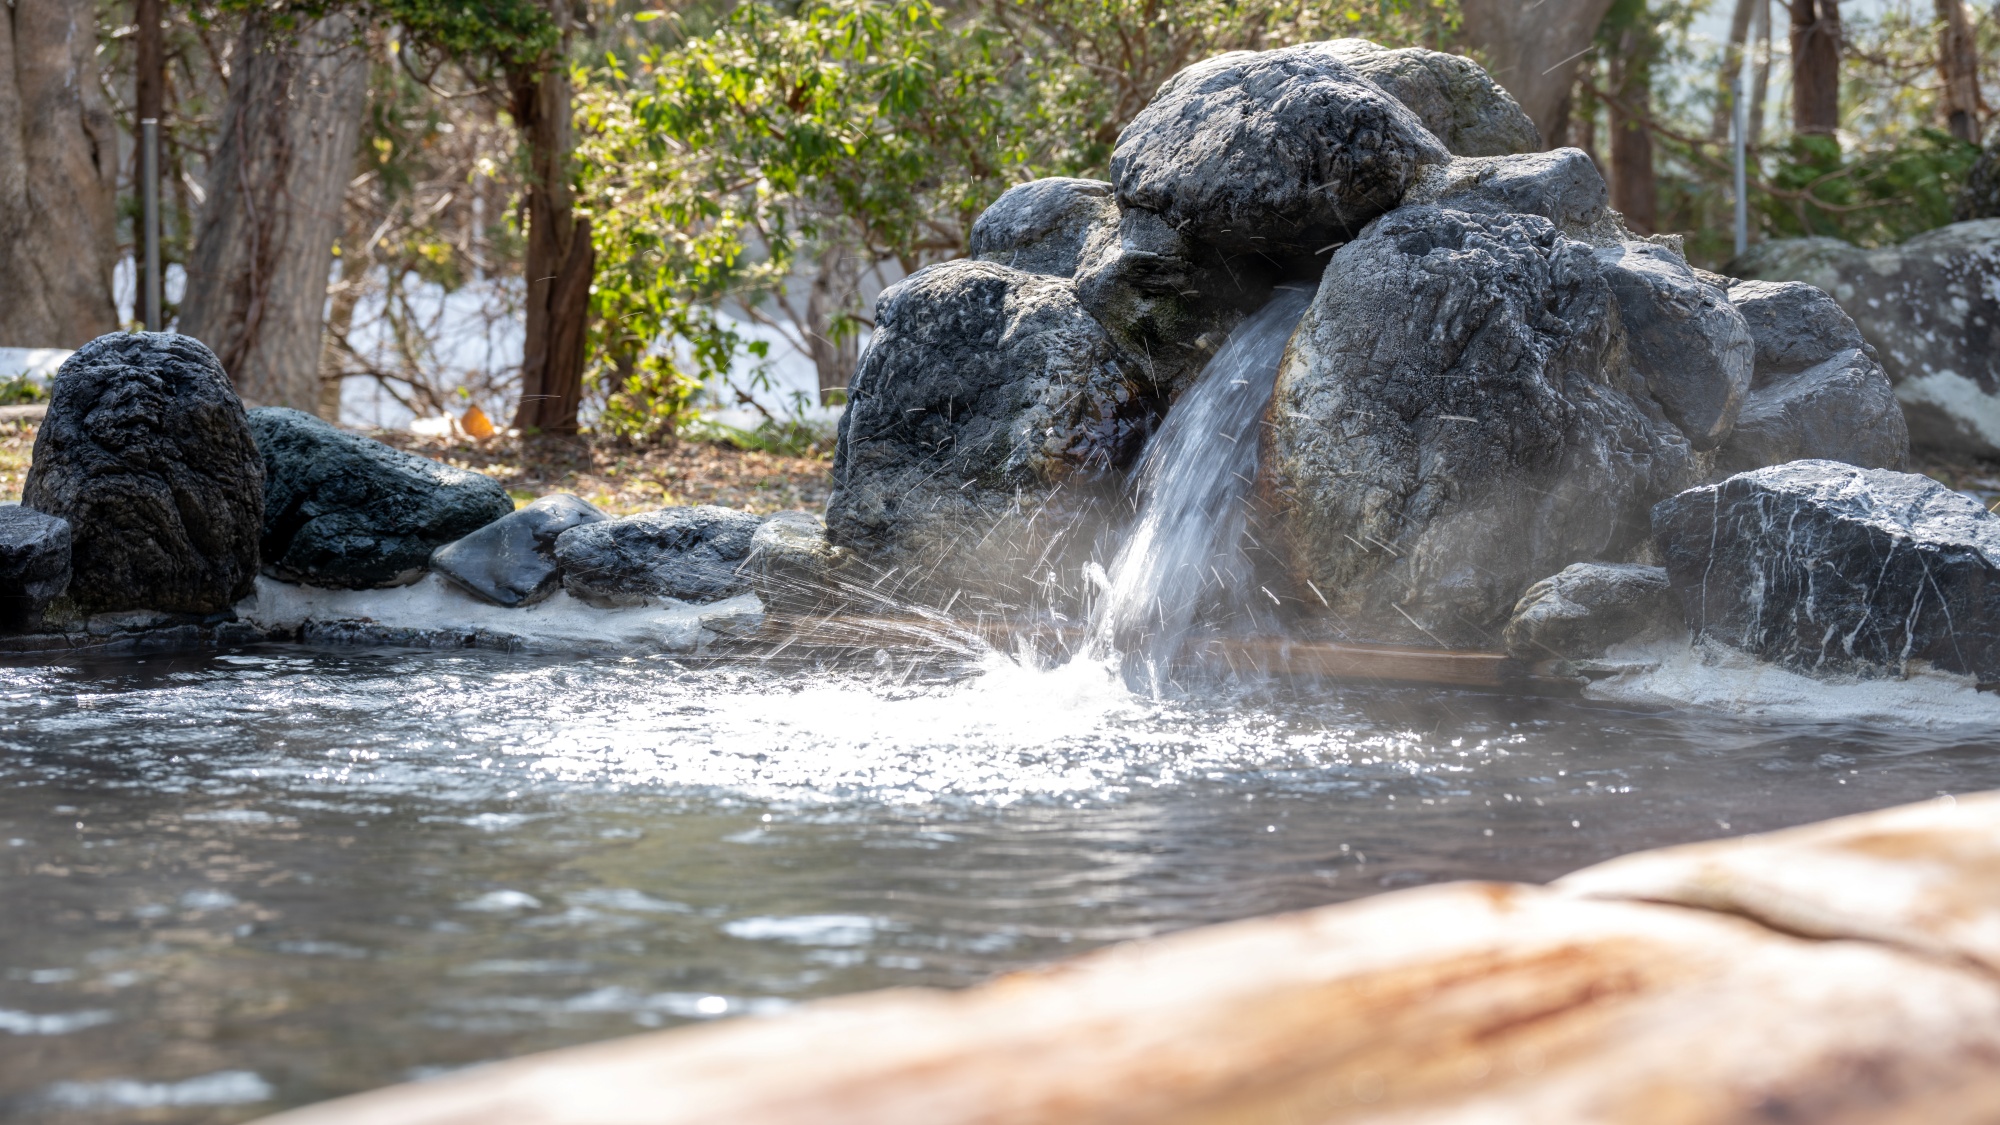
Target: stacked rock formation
{"type": "Point", "coordinates": [1495, 381]}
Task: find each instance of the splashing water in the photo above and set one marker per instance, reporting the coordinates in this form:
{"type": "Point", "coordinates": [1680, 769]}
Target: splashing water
{"type": "Point", "coordinates": [1186, 550]}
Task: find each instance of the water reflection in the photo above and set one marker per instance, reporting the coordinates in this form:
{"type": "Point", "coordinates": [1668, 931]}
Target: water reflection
{"type": "Point", "coordinates": [265, 878]}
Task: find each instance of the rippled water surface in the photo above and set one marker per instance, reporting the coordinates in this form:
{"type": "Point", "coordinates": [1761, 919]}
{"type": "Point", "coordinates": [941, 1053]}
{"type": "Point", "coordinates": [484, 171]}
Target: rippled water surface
{"type": "Point", "coordinates": [237, 882]}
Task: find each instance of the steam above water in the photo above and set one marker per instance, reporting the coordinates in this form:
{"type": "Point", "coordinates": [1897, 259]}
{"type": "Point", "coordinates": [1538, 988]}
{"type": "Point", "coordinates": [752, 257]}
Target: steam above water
{"type": "Point", "coordinates": [1185, 552]}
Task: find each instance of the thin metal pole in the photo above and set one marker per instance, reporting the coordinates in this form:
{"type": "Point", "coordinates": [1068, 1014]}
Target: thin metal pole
{"type": "Point", "coordinates": [1739, 91]}
{"type": "Point", "coordinates": [1742, 155]}
{"type": "Point", "coordinates": [149, 220]}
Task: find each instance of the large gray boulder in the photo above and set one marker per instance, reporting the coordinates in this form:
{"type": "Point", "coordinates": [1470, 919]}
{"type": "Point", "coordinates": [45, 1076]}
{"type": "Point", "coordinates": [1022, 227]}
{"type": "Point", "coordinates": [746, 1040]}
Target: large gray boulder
{"type": "Point", "coordinates": [1562, 186]}
{"type": "Point", "coordinates": [1453, 422]}
{"type": "Point", "coordinates": [1818, 392]}
{"type": "Point", "coordinates": [347, 512]}
{"type": "Point", "coordinates": [1274, 154]}
{"type": "Point", "coordinates": [1579, 612]}
{"type": "Point", "coordinates": [1824, 567]}
{"type": "Point", "coordinates": [1042, 226]}
{"type": "Point", "coordinates": [1685, 339]}
{"type": "Point", "coordinates": [512, 561]}
{"type": "Point", "coordinates": [34, 565]}
{"type": "Point", "coordinates": [986, 399]}
{"type": "Point", "coordinates": [145, 452]}
{"type": "Point", "coordinates": [688, 554]}
{"type": "Point", "coordinates": [1930, 307]}
{"type": "Point", "coordinates": [1454, 97]}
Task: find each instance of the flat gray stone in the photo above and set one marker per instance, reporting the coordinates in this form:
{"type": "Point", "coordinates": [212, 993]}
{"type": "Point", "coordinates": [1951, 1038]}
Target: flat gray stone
{"type": "Point", "coordinates": [511, 561]}
{"type": "Point", "coordinates": [688, 554]}
{"type": "Point", "coordinates": [1562, 186]}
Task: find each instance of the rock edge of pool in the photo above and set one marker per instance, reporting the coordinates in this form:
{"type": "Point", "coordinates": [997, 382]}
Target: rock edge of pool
{"type": "Point", "coordinates": [1846, 970]}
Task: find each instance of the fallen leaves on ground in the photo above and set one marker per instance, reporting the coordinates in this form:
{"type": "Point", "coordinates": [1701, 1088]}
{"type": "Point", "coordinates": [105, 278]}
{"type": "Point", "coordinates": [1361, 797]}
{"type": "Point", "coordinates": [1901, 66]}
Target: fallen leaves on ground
{"type": "Point", "coordinates": [622, 478]}
{"type": "Point", "coordinates": [618, 477]}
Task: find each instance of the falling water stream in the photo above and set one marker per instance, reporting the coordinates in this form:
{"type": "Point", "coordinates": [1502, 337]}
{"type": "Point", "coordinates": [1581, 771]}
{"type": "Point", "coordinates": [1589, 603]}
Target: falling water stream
{"type": "Point", "coordinates": [1185, 550]}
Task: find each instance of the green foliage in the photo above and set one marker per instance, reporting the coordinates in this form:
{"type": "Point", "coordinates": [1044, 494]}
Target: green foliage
{"type": "Point", "coordinates": [789, 437]}
{"type": "Point", "coordinates": [481, 35]}
{"type": "Point", "coordinates": [877, 128]}
{"type": "Point", "coordinates": [717, 170]}
{"type": "Point", "coordinates": [1871, 198]}
{"type": "Point", "coordinates": [20, 390]}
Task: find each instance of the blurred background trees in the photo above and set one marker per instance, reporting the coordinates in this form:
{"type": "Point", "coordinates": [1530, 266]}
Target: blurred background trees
{"type": "Point", "coordinates": [615, 213]}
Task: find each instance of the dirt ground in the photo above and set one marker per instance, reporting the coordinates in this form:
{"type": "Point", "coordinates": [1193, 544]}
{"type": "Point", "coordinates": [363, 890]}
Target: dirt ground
{"type": "Point", "coordinates": [616, 477]}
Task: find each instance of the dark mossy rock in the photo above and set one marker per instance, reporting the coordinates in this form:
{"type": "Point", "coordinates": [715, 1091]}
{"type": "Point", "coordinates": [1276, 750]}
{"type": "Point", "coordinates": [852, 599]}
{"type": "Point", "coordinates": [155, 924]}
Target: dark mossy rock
{"type": "Point", "coordinates": [1273, 154]}
{"type": "Point", "coordinates": [1454, 97]}
{"type": "Point", "coordinates": [688, 554]}
{"type": "Point", "coordinates": [987, 397]}
{"type": "Point", "coordinates": [344, 511]}
{"type": "Point", "coordinates": [512, 561]}
{"type": "Point", "coordinates": [34, 565]}
{"type": "Point", "coordinates": [1818, 392]}
{"type": "Point", "coordinates": [1041, 226]}
{"type": "Point", "coordinates": [146, 453]}
{"type": "Point", "coordinates": [1686, 340]}
{"type": "Point", "coordinates": [1825, 567]}
{"type": "Point", "coordinates": [1455, 420]}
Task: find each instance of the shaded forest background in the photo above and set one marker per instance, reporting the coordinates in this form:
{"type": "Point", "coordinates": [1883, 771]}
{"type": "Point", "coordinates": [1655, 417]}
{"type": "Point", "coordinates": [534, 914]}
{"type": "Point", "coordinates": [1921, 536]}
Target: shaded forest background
{"type": "Point", "coordinates": [608, 213]}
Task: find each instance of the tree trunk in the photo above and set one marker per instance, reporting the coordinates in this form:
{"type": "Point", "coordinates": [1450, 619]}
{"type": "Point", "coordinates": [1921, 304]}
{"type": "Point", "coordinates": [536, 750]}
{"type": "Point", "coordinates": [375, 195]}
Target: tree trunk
{"type": "Point", "coordinates": [344, 295]}
{"type": "Point", "coordinates": [833, 295]}
{"type": "Point", "coordinates": [1958, 65]}
{"type": "Point", "coordinates": [560, 259]}
{"type": "Point", "coordinates": [58, 179]}
{"type": "Point", "coordinates": [263, 246]}
{"type": "Point", "coordinates": [1533, 49]}
{"type": "Point", "coordinates": [1815, 66]}
{"type": "Point", "coordinates": [1634, 189]}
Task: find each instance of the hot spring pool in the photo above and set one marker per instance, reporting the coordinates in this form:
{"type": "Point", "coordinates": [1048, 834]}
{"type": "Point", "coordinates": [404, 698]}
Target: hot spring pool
{"type": "Point", "coordinates": [242, 881]}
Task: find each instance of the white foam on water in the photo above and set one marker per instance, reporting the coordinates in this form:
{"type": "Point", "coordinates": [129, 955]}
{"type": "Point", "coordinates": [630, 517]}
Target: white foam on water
{"type": "Point", "coordinates": [1717, 678]}
{"type": "Point", "coordinates": [51, 1023]}
{"type": "Point", "coordinates": [559, 624]}
{"type": "Point", "coordinates": [224, 1087]}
